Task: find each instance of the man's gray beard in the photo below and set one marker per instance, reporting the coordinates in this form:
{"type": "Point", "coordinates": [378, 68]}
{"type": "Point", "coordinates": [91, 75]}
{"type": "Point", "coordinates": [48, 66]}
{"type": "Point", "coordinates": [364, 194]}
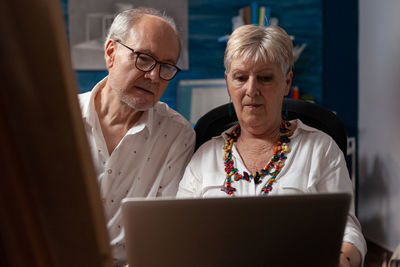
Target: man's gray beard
{"type": "Point", "coordinates": [125, 100]}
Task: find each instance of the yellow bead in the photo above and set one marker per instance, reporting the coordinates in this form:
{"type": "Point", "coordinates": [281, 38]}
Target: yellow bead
{"type": "Point", "coordinates": [285, 148]}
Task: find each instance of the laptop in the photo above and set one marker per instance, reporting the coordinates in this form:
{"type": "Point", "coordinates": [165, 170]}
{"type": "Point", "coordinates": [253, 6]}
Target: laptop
{"type": "Point", "coordinates": [285, 230]}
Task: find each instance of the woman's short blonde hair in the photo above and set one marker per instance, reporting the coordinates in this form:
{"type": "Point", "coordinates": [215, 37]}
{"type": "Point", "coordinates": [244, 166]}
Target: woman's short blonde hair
{"type": "Point", "coordinates": [259, 43]}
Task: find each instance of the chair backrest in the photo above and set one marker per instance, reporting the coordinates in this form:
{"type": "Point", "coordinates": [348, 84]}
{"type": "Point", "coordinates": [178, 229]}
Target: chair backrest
{"type": "Point", "coordinates": [221, 118]}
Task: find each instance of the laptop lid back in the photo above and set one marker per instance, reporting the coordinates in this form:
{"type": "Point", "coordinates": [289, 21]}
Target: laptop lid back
{"type": "Point", "coordinates": [291, 230]}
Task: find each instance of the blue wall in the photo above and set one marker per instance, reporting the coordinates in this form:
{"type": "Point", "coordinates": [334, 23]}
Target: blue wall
{"type": "Point", "coordinates": [340, 65]}
{"type": "Point", "coordinates": [340, 61]}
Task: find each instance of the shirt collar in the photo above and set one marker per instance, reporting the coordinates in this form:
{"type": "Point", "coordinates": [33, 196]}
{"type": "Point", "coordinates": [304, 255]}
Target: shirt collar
{"type": "Point", "coordinates": [145, 122]}
{"type": "Point", "coordinates": [226, 132]}
{"type": "Point", "coordinates": [88, 110]}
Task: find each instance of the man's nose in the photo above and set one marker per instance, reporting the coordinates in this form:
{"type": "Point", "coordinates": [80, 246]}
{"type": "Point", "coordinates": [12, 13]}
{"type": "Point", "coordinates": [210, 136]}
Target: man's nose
{"type": "Point", "coordinates": [154, 74]}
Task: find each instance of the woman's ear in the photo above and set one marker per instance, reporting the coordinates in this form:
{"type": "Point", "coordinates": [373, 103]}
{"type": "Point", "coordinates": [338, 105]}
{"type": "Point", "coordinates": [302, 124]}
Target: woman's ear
{"type": "Point", "coordinates": [109, 53]}
{"type": "Point", "coordinates": [289, 78]}
{"type": "Point", "coordinates": [226, 82]}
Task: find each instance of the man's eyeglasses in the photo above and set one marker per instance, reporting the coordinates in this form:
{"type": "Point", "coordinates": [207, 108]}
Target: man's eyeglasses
{"type": "Point", "coordinates": [146, 63]}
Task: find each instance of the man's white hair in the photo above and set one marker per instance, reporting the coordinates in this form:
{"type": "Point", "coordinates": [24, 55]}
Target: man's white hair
{"type": "Point", "coordinates": [123, 22]}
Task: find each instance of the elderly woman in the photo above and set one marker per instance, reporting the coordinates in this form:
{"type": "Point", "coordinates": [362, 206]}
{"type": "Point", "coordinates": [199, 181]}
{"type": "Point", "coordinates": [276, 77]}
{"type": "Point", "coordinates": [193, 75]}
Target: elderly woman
{"type": "Point", "coordinates": [263, 154]}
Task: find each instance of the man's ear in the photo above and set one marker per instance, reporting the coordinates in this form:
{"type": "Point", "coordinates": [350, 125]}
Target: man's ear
{"type": "Point", "coordinates": [109, 53]}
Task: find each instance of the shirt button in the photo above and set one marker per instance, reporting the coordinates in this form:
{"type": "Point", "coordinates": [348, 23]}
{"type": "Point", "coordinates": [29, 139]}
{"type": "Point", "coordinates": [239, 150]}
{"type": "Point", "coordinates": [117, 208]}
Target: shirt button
{"type": "Point", "coordinates": [109, 171]}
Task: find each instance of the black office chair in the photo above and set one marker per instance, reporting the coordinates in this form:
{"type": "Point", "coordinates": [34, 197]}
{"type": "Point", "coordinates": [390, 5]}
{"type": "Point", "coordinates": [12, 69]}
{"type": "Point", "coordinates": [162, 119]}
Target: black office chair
{"type": "Point", "coordinates": [218, 120]}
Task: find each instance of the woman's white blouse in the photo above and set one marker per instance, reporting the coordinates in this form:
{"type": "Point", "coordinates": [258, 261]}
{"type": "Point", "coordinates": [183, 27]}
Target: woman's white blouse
{"type": "Point", "coordinates": [314, 164]}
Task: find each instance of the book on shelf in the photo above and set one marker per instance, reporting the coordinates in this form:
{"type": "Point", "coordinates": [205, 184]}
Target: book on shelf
{"type": "Point", "coordinates": [255, 14]}
{"type": "Point", "coordinates": [261, 15]}
{"type": "Point", "coordinates": [246, 14]}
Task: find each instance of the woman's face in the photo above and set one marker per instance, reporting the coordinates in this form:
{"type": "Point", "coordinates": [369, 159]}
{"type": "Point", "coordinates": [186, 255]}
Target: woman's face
{"type": "Point", "coordinates": [257, 90]}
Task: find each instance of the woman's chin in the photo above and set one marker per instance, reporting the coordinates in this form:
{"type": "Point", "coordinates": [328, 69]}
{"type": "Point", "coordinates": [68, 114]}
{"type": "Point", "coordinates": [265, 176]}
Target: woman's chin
{"type": "Point", "coordinates": [253, 125]}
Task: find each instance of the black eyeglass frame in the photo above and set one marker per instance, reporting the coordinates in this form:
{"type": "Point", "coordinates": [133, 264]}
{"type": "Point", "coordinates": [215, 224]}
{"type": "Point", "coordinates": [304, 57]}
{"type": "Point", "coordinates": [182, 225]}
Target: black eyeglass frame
{"type": "Point", "coordinates": [154, 65]}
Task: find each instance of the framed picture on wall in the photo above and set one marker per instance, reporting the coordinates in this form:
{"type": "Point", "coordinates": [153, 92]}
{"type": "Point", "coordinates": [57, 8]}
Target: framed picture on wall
{"type": "Point", "coordinates": [90, 20]}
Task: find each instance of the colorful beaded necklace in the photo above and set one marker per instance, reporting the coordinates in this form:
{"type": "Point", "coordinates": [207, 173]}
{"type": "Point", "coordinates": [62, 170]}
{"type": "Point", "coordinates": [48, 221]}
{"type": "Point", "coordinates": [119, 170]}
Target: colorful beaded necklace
{"type": "Point", "coordinates": [277, 161]}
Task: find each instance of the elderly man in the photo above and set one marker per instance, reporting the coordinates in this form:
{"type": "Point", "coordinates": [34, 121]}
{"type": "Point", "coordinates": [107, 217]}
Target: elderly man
{"type": "Point", "coordinates": [139, 145]}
